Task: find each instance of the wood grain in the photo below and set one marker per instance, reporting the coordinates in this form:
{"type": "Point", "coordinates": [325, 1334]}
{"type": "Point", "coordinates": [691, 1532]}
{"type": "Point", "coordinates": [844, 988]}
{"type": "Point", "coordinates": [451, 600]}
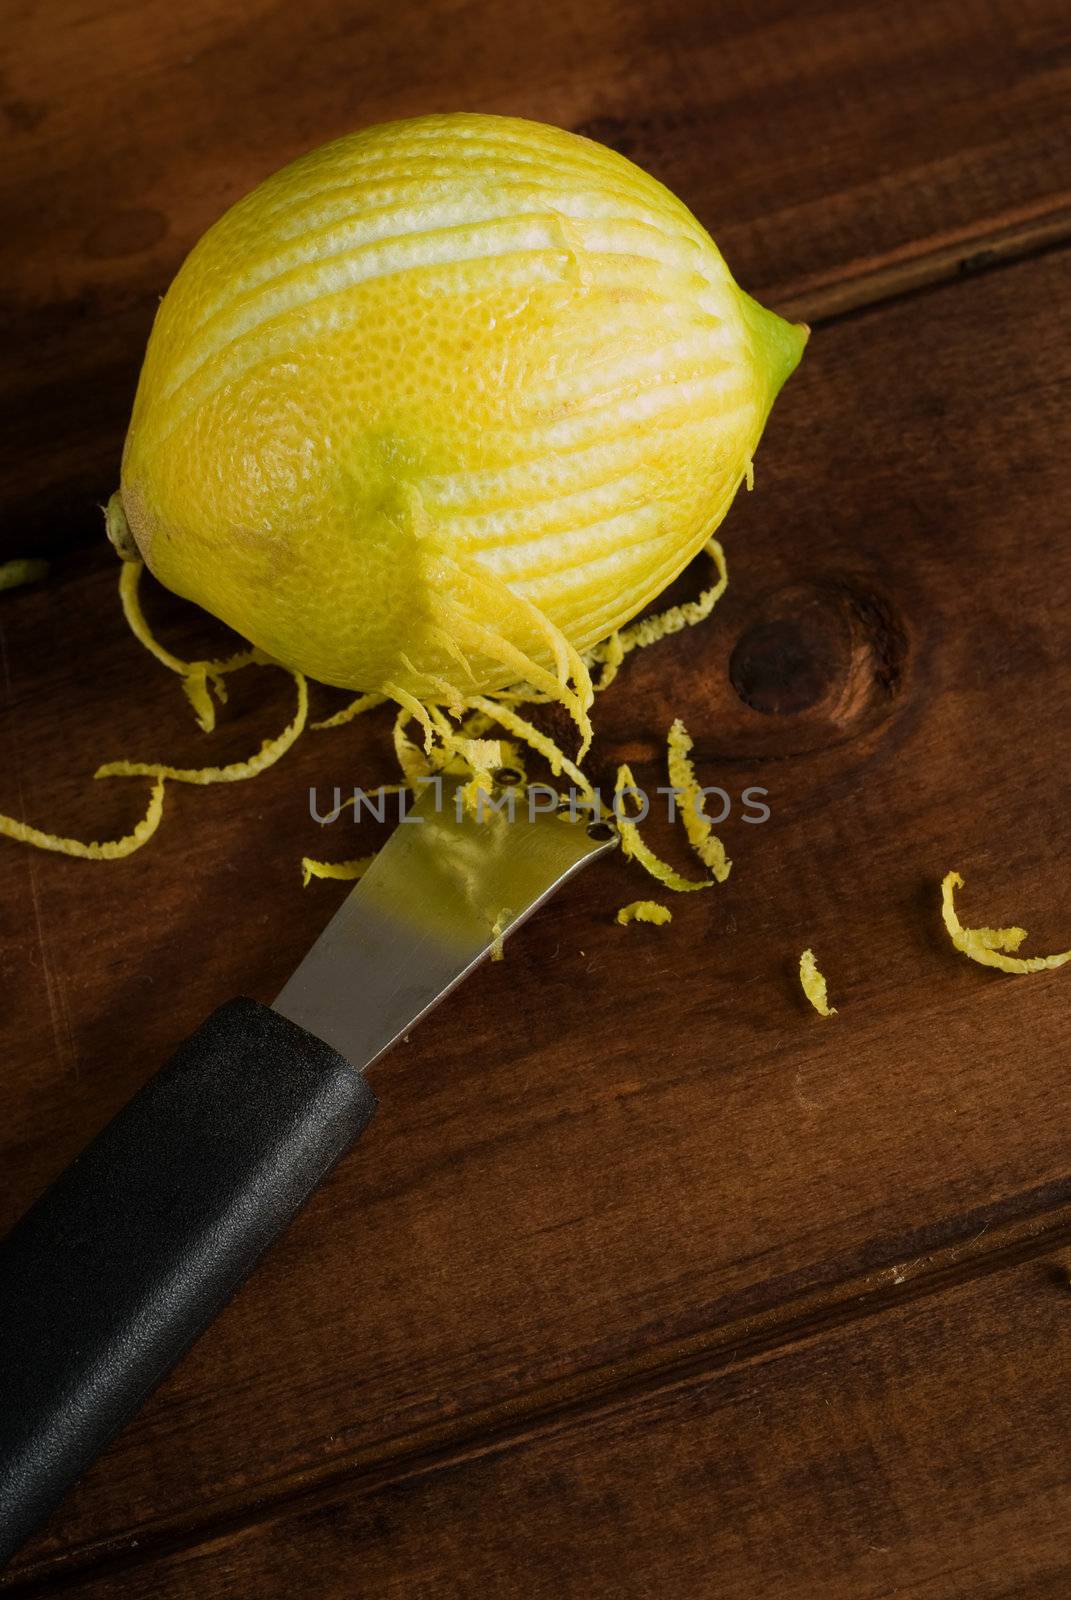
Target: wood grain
{"type": "Point", "coordinates": [543, 1212]}
{"type": "Point", "coordinates": [921, 1452]}
{"type": "Point", "coordinates": [839, 153]}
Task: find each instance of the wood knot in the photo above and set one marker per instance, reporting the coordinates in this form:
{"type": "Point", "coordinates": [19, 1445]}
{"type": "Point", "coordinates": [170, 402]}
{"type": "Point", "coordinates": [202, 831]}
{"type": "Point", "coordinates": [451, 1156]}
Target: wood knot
{"type": "Point", "coordinates": [833, 649]}
{"type": "Point", "coordinates": [802, 668]}
{"type": "Point", "coordinates": [785, 665]}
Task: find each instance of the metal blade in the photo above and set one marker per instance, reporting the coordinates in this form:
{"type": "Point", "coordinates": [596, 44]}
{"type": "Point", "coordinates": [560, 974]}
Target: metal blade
{"type": "Point", "coordinates": [424, 915]}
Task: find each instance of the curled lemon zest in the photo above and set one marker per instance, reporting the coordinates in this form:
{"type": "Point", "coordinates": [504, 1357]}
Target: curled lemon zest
{"type": "Point", "coordinates": [482, 755]}
{"type": "Point", "coordinates": [473, 792]}
{"type": "Point", "coordinates": [311, 868]}
{"type": "Point", "coordinates": [990, 947]}
{"type": "Point", "coordinates": [410, 757]}
{"type": "Point", "coordinates": [270, 752]}
{"type": "Point", "coordinates": [449, 693]}
{"type": "Point", "coordinates": [498, 930]}
{"type": "Point", "coordinates": [13, 574]}
{"type": "Point", "coordinates": [196, 675]}
{"type": "Point", "coordinates": [633, 846]}
{"type": "Point", "coordinates": [356, 708]}
{"type": "Point", "coordinates": [447, 642]}
{"type": "Point", "coordinates": [814, 985]}
{"type": "Point", "coordinates": [481, 758]}
{"type": "Point", "coordinates": [703, 840]}
{"type": "Point", "coordinates": [644, 911]}
{"type": "Point", "coordinates": [649, 630]}
{"type": "Point", "coordinates": [417, 710]}
{"type": "Point", "coordinates": [613, 653]}
{"type": "Point", "coordinates": [541, 743]}
{"type": "Point", "coordinates": [195, 688]}
{"type": "Point", "coordinates": [110, 850]}
{"type": "Point", "coordinates": [459, 619]}
{"type": "Point", "coordinates": [441, 688]}
{"type": "Point", "coordinates": [458, 755]}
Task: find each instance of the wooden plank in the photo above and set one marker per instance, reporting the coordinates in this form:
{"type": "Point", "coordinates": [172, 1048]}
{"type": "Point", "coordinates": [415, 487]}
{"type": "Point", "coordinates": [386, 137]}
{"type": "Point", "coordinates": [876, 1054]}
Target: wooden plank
{"type": "Point", "coordinates": [918, 1453]}
{"type": "Point", "coordinates": [837, 154]}
{"type": "Point", "coordinates": [543, 1209]}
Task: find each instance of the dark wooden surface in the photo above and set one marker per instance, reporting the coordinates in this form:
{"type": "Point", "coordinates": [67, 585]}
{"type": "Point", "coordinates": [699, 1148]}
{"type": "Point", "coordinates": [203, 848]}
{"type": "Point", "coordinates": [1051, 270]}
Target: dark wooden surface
{"type": "Point", "coordinates": [689, 1294]}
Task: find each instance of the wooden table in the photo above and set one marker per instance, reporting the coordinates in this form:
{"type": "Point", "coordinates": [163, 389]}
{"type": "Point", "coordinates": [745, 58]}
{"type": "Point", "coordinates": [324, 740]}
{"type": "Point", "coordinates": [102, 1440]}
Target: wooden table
{"type": "Point", "coordinates": [646, 1282]}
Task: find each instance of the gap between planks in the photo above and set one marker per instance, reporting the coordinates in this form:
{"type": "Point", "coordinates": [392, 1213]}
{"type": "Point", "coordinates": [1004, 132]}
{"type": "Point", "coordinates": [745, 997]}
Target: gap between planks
{"type": "Point", "coordinates": [497, 1428]}
{"type": "Point", "coordinates": [864, 285]}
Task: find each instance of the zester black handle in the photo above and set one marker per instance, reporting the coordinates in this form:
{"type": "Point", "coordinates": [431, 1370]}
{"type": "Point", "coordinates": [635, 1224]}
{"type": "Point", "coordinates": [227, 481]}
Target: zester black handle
{"type": "Point", "coordinates": [111, 1276]}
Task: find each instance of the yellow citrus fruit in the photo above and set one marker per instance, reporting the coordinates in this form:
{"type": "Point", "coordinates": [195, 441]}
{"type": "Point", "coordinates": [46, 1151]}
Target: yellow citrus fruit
{"type": "Point", "coordinates": [444, 402]}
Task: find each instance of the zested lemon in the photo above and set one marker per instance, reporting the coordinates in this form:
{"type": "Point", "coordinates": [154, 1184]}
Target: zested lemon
{"type": "Point", "coordinates": [442, 404]}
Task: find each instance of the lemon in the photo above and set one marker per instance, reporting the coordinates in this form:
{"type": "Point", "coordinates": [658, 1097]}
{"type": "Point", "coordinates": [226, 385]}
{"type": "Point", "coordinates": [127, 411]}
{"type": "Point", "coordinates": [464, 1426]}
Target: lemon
{"type": "Point", "coordinates": [444, 402]}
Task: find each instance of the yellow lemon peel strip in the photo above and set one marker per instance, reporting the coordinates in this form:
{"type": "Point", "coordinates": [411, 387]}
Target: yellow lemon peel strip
{"type": "Point", "coordinates": [269, 753]}
{"type": "Point", "coordinates": [481, 757]}
{"type": "Point", "coordinates": [814, 985]}
{"type": "Point", "coordinates": [990, 946]}
{"type": "Point", "coordinates": [447, 642]}
{"type": "Point", "coordinates": [410, 758]}
{"type": "Point", "coordinates": [644, 911]}
{"type": "Point", "coordinates": [441, 689]}
{"type": "Point", "coordinates": [498, 929]}
{"type": "Point", "coordinates": [481, 593]}
{"type": "Point", "coordinates": [111, 850]}
{"type": "Point", "coordinates": [649, 630]}
{"type": "Point", "coordinates": [459, 754]}
{"type": "Point", "coordinates": [489, 642]}
{"type": "Point", "coordinates": [311, 868]}
{"type": "Point", "coordinates": [541, 743]}
{"type": "Point", "coordinates": [356, 708]}
{"type": "Point", "coordinates": [416, 711]}
{"type": "Point", "coordinates": [479, 785]}
{"type": "Point", "coordinates": [706, 844]}
{"type": "Point", "coordinates": [636, 850]}
{"type": "Point", "coordinates": [195, 675]}
{"type": "Point", "coordinates": [613, 653]}
{"type": "Point", "coordinates": [13, 574]}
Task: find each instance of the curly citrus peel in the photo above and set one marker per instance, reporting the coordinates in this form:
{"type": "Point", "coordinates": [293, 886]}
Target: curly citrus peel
{"type": "Point", "coordinates": [814, 985]}
{"type": "Point", "coordinates": [269, 753]}
{"type": "Point", "coordinates": [462, 754]}
{"type": "Point", "coordinates": [345, 870]}
{"type": "Point", "coordinates": [110, 850]}
{"type": "Point", "coordinates": [13, 574]}
{"type": "Point", "coordinates": [644, 911]}
{"type": "Point", "coordinates": [650, 630]}
{"type": "Point", "coordinates": [522, 729]}
{"type": "Point", "coordinates": [445, 749]}
{"type": "Point", "coordinates": [612, 657]}
{"type": "Point", "coordinates": [498, 930]}
{"type": "Point", "coordinates": [707, 846]}
{"type": "Point", "coordinates": [990, 947]}
{"type": "Point", "coordinates": [467, 631]}
{"type": "Point", "coordinates": [636, 850]}
{"type": "Point", "coordinates": [460, 593]}
{"type": "Point", "coordinates": [478, 712]}
{"type": "Point", "coordinates": [409, 756]}
{"type": "Point", "coordinates": [356, 708]}
{"type": "Point", "coordinates": [196, 675]}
